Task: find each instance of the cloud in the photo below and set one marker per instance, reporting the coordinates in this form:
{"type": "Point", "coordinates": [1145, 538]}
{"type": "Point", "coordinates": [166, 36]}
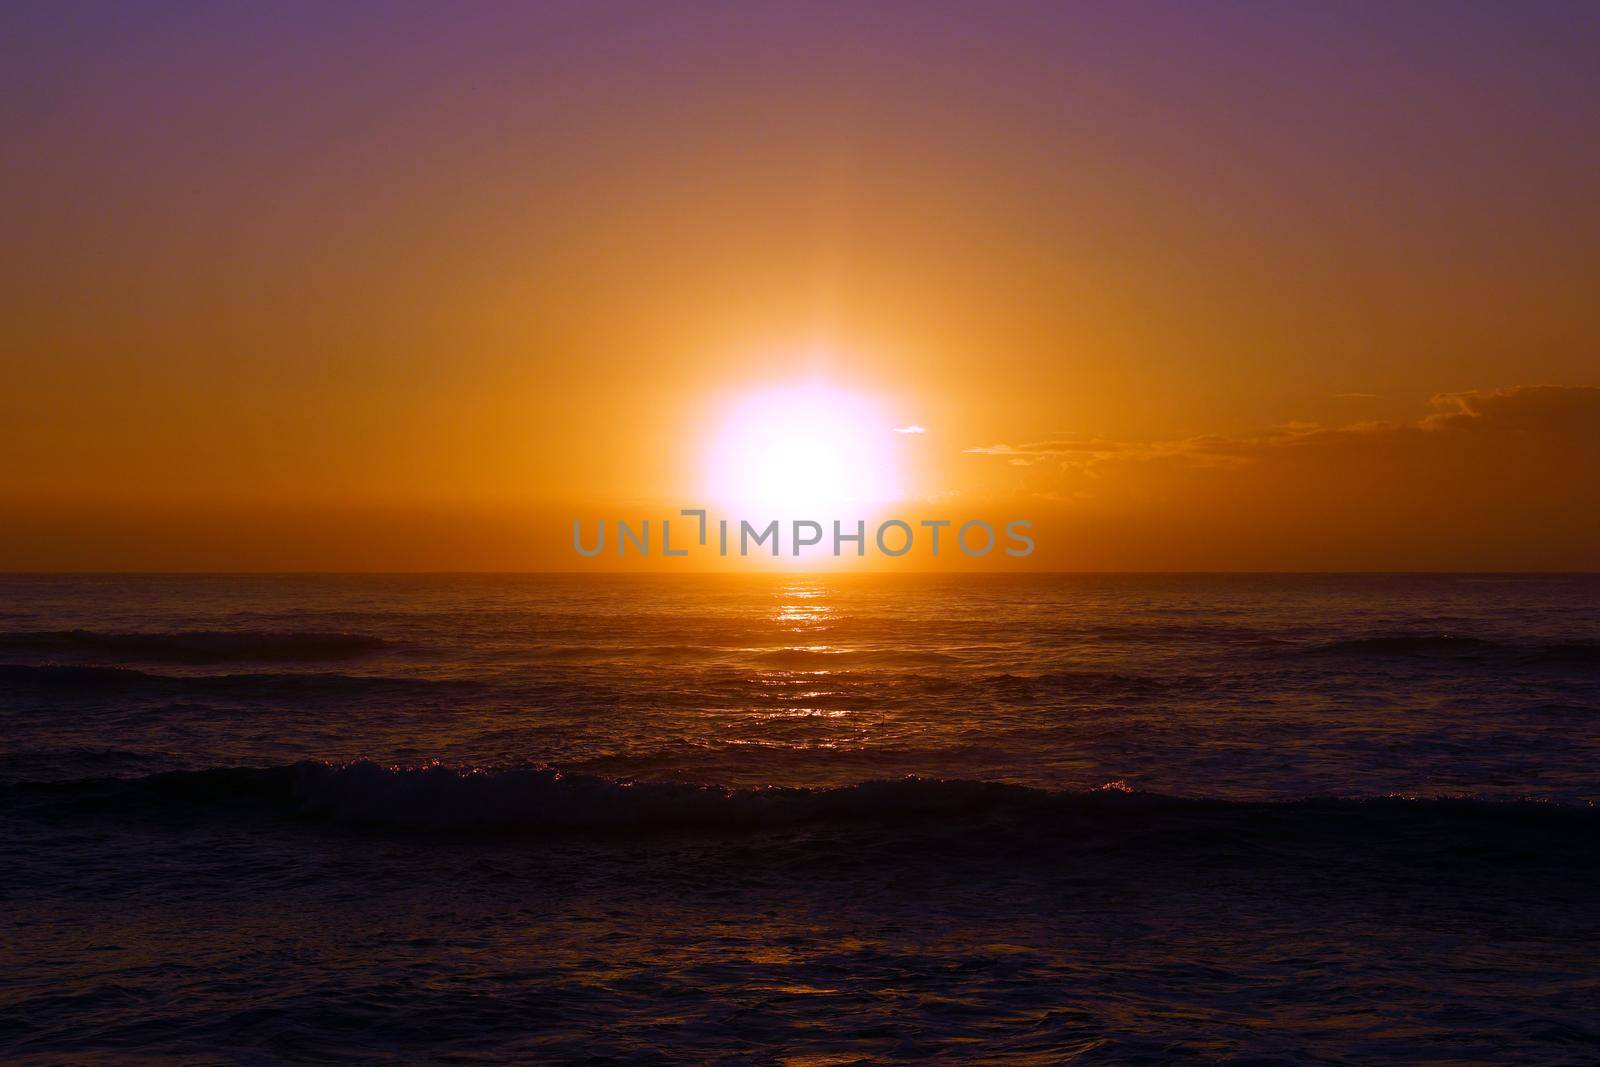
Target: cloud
{"type": "Point", "coordinates": [1495, 479]}
{"type": "Point", "coordinates": [913, 428]}
{"type": "Point", "coordinates": [1062, 446]}
{"type": "Point", "coordinates": [1543, 410]}
{"type": "Point", "coordinates": [1530, 407]}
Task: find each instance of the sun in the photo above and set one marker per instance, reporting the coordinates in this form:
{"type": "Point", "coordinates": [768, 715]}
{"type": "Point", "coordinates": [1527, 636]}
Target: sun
{"type": "Point", "coordinates": [802, 451]}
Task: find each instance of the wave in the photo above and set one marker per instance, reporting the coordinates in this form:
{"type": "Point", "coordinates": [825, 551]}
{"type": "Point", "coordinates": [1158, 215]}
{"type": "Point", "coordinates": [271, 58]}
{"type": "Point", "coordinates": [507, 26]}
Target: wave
{"type": "Point", "coordinates": [66, 761]}
{"type": "Point", "coordinates": [1403, 645]}
{"type": "Point", "coordinates": [82, 681]}
{"type": "Point", "coordinates": [196, 647]}
{"type": "Point", "coordinates": [1075, 682]}
{"type": "Point", "coordinates": [820, 657]}
{"type": "Point", "coordinates": [1208, 633]}
{"type": "Point", "coordinates": [627, 653]}
{"type": "Point", "coordinates": [1422, 645]}
{"type": "Point", "coordinates": [798, 657]}
{"type": "Point", "coordinates": [436, 798]}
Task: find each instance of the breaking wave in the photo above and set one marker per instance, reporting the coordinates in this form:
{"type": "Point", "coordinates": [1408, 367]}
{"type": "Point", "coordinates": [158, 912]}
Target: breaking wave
{"type": "Point", "coordinates": [536, 798]}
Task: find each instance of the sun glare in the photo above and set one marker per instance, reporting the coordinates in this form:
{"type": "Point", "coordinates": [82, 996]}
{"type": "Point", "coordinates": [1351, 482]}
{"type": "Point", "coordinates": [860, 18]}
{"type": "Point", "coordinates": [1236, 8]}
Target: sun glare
{"type": "Point", "coordinates": [807, 451]}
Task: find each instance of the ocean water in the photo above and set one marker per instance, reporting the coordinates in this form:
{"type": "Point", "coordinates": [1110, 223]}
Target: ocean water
{"type": "Point", "coordinates": [789, 818]}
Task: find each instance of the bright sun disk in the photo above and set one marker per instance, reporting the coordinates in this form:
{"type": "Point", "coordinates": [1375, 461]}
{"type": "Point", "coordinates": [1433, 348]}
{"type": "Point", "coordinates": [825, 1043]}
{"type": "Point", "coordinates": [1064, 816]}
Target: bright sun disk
{"type": "Point", "coordinates": [807, 451]}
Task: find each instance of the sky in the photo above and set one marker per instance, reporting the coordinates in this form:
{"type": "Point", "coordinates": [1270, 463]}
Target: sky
{"type": "Point", "coordinates": [1188, 286]}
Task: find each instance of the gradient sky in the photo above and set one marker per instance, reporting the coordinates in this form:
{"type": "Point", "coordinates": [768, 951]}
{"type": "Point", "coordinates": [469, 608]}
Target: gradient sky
{"type": "Point", "coordinates": [1231, 286]}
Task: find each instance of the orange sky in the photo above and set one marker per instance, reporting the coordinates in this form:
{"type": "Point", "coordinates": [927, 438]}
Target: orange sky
{"type": "Point", "coordinates": [1232, 288]}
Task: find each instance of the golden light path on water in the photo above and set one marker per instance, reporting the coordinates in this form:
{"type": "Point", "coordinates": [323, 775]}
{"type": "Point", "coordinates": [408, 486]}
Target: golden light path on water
{"type": "Point", "coordinates": [802, 610]}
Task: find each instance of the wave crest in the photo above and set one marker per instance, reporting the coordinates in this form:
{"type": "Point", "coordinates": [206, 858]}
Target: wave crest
{"type": "Point", "coordinates": [435, 798]}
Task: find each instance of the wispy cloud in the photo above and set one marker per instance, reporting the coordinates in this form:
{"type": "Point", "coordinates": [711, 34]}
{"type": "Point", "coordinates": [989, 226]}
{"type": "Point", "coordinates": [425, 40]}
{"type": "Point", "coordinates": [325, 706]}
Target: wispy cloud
{"type": "Point", "coordinates": [1483, 480]}
{"type": "Point", "coordinates": [1527, 412]}
{"type": "Point", "coordinates": [913, 428]}
{"type": "Point", "coordinates": [1061, 446]}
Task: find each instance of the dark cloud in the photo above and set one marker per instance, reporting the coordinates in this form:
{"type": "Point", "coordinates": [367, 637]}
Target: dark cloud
{"type": "Point", "coordinates": [1489, 478]}
{"type": "Point", "coordinates": [1543, 410]}
{"type": "Point", "coordinates": [1532, 408]}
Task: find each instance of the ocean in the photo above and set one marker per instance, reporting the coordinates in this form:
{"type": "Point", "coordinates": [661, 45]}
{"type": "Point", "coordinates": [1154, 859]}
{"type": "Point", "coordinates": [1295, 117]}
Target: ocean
{"type": "Point", "coordinates": [800, 819]}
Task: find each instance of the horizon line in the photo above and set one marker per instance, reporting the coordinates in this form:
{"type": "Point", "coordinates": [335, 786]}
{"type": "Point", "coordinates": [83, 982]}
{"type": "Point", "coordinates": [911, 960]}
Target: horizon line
{"type": "Point", "coordinates": [774, 573]}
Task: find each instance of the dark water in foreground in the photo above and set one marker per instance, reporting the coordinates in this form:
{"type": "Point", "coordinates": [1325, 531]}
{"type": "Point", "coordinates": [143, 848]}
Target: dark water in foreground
{"type": "Point", "coordinates": [494, 818]}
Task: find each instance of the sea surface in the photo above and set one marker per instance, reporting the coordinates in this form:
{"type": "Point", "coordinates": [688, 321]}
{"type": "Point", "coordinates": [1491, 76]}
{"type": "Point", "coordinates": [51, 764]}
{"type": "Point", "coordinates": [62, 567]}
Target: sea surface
{"type": "Point", "coordinates": [800, 819]}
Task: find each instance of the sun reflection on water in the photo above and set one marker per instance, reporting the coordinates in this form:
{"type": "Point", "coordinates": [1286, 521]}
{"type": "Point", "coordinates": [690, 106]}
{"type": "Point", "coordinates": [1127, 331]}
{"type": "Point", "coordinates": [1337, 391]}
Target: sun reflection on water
{"type": "Point", "coordinates": [793, 674]}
